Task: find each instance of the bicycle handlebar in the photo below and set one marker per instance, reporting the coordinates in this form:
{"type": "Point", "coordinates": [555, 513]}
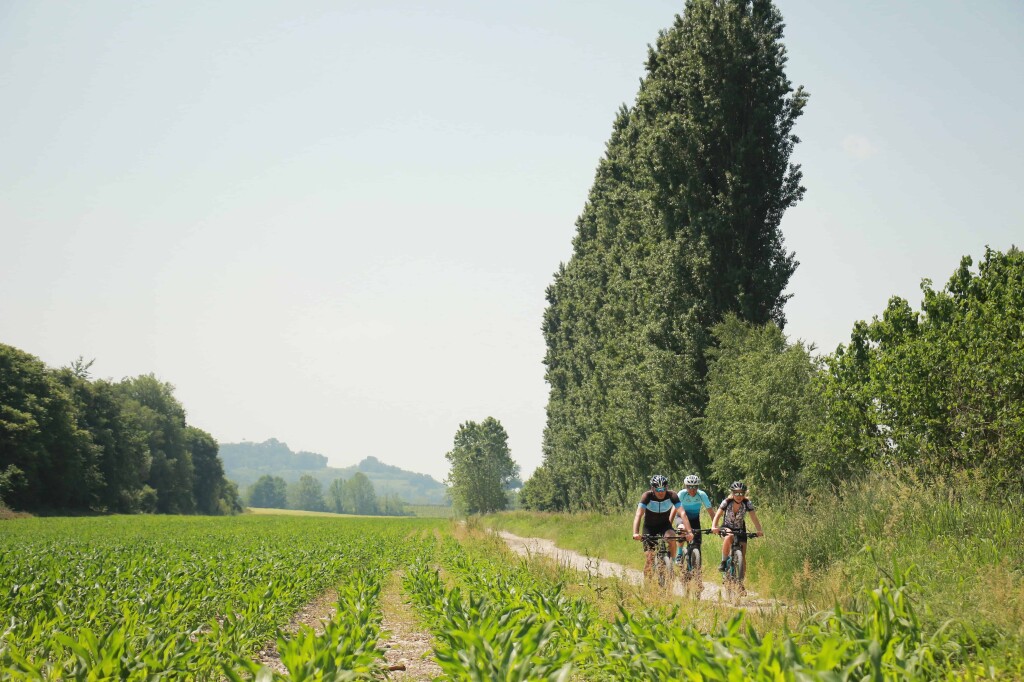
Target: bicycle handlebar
{"type": "Point", "coordinates": [741, 534]}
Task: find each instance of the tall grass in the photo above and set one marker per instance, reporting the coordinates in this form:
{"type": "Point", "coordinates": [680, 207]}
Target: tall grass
{"type": "Point", "coordinates": [961, 545]}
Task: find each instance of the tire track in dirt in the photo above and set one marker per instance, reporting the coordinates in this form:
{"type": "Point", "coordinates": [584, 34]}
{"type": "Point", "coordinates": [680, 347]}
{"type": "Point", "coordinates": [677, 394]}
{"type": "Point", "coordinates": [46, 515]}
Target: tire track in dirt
{"type": "Point", "coordinates": [408, 647]}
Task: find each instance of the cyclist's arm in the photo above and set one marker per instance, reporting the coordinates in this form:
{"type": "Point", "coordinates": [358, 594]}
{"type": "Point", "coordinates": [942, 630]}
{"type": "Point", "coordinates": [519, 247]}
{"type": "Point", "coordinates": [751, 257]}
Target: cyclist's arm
{"type": "Point", "coordinates": [707, 508]}
{"type": "Point", "coordinates": [716, 521]}
{"type": "Point", "coordinates": [757, 523]}
{"type": "Point", "coordinates": [636, 521]}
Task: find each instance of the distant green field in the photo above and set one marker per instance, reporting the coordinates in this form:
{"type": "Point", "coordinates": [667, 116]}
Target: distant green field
{"type": "Point", "coordinates": [427, 511]}
{"type": "Point", "coordinates": [431, 511]}
{"type": "Point", "coordinates": [292, 512]}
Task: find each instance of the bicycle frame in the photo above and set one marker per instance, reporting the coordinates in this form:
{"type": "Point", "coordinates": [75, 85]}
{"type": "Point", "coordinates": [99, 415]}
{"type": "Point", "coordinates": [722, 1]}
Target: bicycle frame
{"type": "Point", "coordinates": [662, 568]}
{"type": "Point", "coordinates": [736, 563]}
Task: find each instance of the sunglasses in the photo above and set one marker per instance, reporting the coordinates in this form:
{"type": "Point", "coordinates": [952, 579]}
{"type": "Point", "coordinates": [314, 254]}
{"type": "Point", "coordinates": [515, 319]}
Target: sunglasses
{"type": "Point", "coordinates": [659, 490]}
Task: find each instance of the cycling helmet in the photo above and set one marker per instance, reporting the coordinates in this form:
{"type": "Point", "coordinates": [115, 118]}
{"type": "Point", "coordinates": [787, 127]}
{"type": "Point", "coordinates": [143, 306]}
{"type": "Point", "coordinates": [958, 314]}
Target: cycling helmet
{"type": "Point", "coordinates": [738, 485]}
{"type": "Point", "coordinates": [659, 481]}
{"type": "Point", "coordinates": [692, 479]}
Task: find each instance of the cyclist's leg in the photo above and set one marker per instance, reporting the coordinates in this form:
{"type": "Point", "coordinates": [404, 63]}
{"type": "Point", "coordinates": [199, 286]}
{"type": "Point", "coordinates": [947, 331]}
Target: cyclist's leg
{"type": "Point", "coordinates": [670, 535]}
{"type": "Point", "coordinates": [726, 548]}
{"type": "Point", "coordinates": [695, 550]}
{"type": "Point", "coordinates": [650, 544]}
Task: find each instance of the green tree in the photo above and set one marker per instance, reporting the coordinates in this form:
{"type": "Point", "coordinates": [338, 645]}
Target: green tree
{"type": "Point", "coordinates": [269, 492]}
{"type": "Point", "coordinates": [763, 410]}
{"type": "Point", "coordinates": [359, 496]}
{"type": "Point", "coordinates": [335, 498]}
{"type": "Point", "coordinates": [208, 483]}
{"type": "Point", "coordinates": [153, 407]}
{"type": "Point", "coordinates": [41, 436]}
{"type": "Point", "coordinates": [939, 390]}
{"type": "Point", "coordinates": [481, 467]}
{"type": "Point", "coordinates": [680, 229]}
{"type": "Point", "coordinates": [541, 492]}
{"type": "Point", "coordinates": [230, 500]}
{"type": "Point", "coordinates": [307, 494]}
{"type": "Point", "coordinates": [391, 505]}
{"type": "Point", "coordinates": [123, 453]}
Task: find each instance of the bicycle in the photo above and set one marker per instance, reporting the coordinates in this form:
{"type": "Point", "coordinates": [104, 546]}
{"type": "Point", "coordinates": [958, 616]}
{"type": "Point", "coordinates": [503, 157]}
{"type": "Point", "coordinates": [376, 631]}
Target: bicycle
{"type": "Point", "coordinates": [691, 562]}
{"type": "Point", "coordinates": [663, 568]}
{"type": "Point", "coordinates": [736, 563]}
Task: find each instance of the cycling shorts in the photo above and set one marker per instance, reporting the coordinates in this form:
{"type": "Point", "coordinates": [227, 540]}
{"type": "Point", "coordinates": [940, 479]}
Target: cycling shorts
{"type": "Point", "coordinates": [655, 529]}
{"type": "Point", "coordinates": [695, 525]}
{"type": "Point", "coordinates": [740, 529]}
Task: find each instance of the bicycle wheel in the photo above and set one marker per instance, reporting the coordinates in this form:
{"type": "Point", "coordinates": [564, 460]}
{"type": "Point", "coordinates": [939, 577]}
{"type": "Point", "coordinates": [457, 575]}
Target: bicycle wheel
{"type": "Point", "coordinates": [695, 560]}
{"type": "Point", "coordinates": [664, 568]}
{"type": "Point", "coordinates": [739, 566]}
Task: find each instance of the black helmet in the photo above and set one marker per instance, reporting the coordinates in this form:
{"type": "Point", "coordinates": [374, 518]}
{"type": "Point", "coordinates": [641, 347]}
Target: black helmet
{"type": "Point", "coordinates": [659, 481]}
{"type": "Point", "coordinates": [738, 485]}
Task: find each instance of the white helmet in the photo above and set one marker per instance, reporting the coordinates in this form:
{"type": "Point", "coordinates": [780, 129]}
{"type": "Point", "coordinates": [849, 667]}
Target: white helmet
{"type": "Point", "coordinates": [692, 479]}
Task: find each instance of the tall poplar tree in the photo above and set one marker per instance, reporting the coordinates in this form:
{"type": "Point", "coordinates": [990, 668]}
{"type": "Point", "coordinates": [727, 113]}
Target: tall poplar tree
{"type": "Point", "coordinates": [681, 228]}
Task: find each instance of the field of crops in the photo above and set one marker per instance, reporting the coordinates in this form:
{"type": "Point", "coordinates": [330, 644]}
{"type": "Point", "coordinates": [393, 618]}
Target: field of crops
{"type": "Point", "coordinates": [193, 598]}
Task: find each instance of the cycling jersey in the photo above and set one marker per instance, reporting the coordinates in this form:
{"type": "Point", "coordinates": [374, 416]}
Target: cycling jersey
{"type": "Point", "coordinates": [692, 504]}
{"type": "Point", "coordinates": [734, 518]}
{"type": "Point", "coordinates": [656, 511]}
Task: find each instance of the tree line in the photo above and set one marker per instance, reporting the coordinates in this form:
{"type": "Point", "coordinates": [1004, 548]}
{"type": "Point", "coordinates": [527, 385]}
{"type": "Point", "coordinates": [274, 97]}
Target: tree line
{"type": "Point", "coordinates": [68, 442]}
{"type": "Point", "coordinates": [352, 496]}
{"type": "Point", "coordinates": [664, 330]}
{"type": "Point", "coordinates": [934, 394]}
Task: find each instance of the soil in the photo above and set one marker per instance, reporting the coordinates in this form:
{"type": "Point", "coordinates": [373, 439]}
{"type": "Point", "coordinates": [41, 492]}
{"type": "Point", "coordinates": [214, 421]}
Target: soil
{"type": "Point", "coordinates": [407, 647]}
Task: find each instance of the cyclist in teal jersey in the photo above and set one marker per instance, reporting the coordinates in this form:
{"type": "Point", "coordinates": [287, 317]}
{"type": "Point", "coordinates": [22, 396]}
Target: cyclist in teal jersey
{"type": "Point", "coordinates": [693, 500]}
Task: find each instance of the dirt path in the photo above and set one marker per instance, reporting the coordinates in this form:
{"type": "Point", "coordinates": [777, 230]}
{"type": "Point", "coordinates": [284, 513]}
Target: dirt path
{"type": "Point", "coordinates": [530, 547]}
{"type": "Point", "coordinates": [312, 615]}
{"type": "Point", "coordinates": [407, 646]}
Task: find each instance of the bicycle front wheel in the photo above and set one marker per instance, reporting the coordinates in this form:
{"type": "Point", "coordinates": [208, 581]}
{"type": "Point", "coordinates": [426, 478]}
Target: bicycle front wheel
{"type": "Point", "coordinates": [739, 565]}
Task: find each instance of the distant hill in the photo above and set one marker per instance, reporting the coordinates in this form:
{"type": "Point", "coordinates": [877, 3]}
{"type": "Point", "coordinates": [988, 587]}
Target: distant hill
{"type": "Point", "coordinates": [244, 463]}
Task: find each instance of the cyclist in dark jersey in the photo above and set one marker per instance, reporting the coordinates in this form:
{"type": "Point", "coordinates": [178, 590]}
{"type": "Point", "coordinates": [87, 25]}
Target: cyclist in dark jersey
{"type": "Point", "coordinates": [657, 507]}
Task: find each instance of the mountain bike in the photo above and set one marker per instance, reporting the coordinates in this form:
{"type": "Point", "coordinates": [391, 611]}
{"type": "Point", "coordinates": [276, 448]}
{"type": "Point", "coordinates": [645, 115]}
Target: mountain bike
{"type": "Point", "coordinates": [736, 564]}
{"type": "Point", "coordinates": [690, 566]}
{"type": "Point", "coordinates": [663, 568]}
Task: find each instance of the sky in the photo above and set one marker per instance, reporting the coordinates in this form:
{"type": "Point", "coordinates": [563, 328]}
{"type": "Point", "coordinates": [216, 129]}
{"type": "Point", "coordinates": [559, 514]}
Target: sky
{"type": "Point", "coordinates": [333, 223]}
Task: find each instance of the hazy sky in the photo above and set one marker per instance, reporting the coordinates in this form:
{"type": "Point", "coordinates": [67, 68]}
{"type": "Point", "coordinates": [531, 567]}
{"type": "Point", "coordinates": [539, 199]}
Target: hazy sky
{"type": "Point", "coordinates": [332, 223]}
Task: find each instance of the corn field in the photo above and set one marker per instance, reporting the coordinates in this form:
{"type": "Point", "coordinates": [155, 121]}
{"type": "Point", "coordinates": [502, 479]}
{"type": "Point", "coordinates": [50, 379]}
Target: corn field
{"type": "Point", "coordinates": [182, 598]}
